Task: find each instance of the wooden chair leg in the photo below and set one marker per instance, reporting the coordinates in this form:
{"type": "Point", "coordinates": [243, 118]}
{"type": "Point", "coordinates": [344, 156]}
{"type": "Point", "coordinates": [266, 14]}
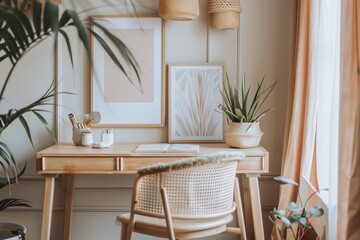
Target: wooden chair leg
{"type": "Point", "coordinates": [123, 232]}
{"type": "Point", "coordinates": [130, 228]}
{"type": "Point", "coordinates": [167, 212]}
{"type": "Point", "coordinates": [239, 209]}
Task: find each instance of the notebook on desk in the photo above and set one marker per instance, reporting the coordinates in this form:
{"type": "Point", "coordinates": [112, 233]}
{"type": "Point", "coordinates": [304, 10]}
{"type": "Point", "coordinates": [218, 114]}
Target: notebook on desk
{"type": "Point", "coordinates": [167, 148]}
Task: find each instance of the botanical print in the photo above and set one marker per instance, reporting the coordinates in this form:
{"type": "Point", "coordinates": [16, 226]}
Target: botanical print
{"type": "Point", "coordinates": [196, 94]}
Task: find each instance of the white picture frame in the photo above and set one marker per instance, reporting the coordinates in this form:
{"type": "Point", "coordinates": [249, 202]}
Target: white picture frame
{"type": "Point", "coordinates": [194, 95]}
{"type": "Point", "coordinates": [121, 103]}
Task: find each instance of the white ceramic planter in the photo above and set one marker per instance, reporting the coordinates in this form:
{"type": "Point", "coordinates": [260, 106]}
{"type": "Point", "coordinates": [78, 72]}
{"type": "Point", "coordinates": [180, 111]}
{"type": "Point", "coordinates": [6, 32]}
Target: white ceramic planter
{"type": "Point", "coordinates": [243, 135]}
{"type": "Point", "coordinates": [6, 229]}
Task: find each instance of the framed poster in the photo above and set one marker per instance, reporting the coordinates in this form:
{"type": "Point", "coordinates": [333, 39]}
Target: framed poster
{"type": "Point", "coordinates": [194, 95]}
{"type": "Point", "coordinates": [120, 101]}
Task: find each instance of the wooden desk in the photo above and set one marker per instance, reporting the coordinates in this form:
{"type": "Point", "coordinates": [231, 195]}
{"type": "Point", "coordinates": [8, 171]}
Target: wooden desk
{"type": "Point", "coordinates": [121, 159]}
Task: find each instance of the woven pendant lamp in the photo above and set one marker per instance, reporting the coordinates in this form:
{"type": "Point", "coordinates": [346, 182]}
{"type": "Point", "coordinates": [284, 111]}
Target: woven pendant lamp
{"type": "Point", "coordinates": [224, 14]}
{"type": "Point", "coordinates": [179, 10]}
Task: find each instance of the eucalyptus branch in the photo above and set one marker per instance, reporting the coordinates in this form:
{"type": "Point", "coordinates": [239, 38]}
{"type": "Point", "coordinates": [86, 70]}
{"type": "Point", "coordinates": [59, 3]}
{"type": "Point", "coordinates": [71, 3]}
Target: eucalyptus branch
{"type": "Point", "coordinates": [311, 195]}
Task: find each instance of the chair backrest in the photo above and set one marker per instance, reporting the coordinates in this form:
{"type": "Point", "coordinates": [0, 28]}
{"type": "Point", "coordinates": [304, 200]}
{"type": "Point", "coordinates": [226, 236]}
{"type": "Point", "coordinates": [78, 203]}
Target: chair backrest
{"type": "Point", "coordinates": [199, 187]}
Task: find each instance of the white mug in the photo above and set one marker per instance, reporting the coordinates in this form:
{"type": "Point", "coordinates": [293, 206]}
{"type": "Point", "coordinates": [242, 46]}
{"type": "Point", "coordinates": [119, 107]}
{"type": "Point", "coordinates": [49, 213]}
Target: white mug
{"type": "Point", "coordinates": [87, 139]}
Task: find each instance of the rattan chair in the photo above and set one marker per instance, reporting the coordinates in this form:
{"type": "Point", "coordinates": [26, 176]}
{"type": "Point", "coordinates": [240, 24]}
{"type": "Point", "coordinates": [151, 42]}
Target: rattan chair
{"type": "Point", "coordinates": [191, 198]}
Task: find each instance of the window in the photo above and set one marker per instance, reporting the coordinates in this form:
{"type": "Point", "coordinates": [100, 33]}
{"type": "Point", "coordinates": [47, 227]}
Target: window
{"type": "Point", "coordinates": [320, 161]}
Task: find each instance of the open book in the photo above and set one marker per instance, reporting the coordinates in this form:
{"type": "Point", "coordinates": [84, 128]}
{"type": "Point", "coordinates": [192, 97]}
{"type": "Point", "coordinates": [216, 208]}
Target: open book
{"type": "Point", "coordinates": [167, 148]}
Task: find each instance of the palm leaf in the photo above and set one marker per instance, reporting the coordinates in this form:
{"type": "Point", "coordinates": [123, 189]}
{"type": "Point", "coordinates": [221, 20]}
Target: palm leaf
{"type": "Point", "coordinates": [27, 129]}
{"type": "Point", "coordinates": [68, 44]}
{"type": "Point", "coordinates": [25, 22]}
{"type": "Point", "coordinates": [10, 41]}
{"type": "Point", "coordinates": [16, 28]}
{"type": "Point", "coordinates": [37, 17]}
{"type": "Point", "coordinates": [121, 47]}
{"type": "Point", "coordinates": [12, 202]}
{"type": "Point", "coordinates": [13, 180]}
{"type": "Point", "coordinates": [109, 51]}
{"type": "Point", "coordinates": [45, 124]}
{"type": "Point", "coordinates": [7, 161]}
{"type": "Point", "coordinates": [7, 54]}
{"type": "Point", "coordinates": [76, 22]}
{"type": "Point", "coordinates": [50, 20]}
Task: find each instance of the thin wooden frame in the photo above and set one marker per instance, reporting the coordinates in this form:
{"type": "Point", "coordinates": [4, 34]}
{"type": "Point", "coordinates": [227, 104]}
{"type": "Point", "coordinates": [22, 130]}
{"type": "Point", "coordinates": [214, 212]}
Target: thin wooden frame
{"type": "Point", "coordinates": [121, 103]}
{"type": "Point", "coordinates": [194, 94]}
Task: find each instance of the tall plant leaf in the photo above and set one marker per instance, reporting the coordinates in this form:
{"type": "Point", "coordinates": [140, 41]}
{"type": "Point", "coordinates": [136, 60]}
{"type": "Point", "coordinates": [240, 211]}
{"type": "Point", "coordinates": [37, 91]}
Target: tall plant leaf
{"type": "Point", "coordinates": [121, 47]}
{"type": "Point", "coordinates": [10, 41]}
{"type": "Point", "coordinates": [16, 28]}
{"type": "Point", "coordinates": [80, 29]}
{"type": "Point", "coordinates": [68, 44]}
{"type": "Point", "coordinates": [50, 20]}
{"type": "Point", "coordinates": [44, 123]}
{"type": "Point", "coordinates": [13, 179]}
{"type": "Point", "coordinates": [25, 22]}
{"type": "Point", "coordinates": [37, 17]}
{"type": "Point", "coordinates": [12, 202]}
{"type": "Point", "coordinates": [27, 129]}
{"type": "Point", "coordinates": [284, 180]}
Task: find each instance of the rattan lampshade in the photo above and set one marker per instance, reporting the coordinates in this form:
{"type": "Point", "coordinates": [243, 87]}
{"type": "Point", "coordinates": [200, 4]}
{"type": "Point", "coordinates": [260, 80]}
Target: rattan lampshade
{"type": "Point", "coordinates": [224, 14]}
{"type": "Point", "coordinates": [180, 10]}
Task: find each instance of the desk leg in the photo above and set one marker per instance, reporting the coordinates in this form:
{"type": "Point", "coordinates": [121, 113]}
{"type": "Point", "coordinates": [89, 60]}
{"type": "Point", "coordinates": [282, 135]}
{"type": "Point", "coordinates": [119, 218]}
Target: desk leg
{"type": "Point", "coordinates": [68, 206]}
{"type": "Point", "coordinates": [48, 207]}
{"type": "Point", "coordinates": [256, 206]}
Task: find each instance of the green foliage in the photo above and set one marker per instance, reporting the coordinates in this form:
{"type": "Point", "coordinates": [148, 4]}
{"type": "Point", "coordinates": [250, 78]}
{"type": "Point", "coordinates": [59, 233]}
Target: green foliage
{"type": "Point", "coordinates": [295, 217]}
{"type": "Point", "coordinates": [19, 34]}
{"type": "Point", "coordinates": [12, 202]}
{"type": "Point", "coordinates": [238, 107]}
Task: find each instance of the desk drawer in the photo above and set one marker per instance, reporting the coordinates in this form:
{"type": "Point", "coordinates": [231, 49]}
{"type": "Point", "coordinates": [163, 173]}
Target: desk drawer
{"type": "Point", "coordinates": [79, 164]}
{"type": "Point", "coordinates": [252, 164]}
{"type": "Point", "coordinates": [247, 165]}
{"type": "Point", "coordinates": [132, 164]}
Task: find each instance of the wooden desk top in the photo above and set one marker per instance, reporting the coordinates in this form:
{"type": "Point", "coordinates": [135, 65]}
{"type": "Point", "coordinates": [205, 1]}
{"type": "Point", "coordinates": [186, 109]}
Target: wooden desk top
{"type": "Point", "coordinates": [121, 158]}
{"type": "Point", "coordinates": [127, 149]}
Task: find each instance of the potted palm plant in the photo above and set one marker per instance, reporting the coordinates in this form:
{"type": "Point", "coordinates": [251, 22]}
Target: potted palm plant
{"type": "Point", "coordinates": [243, 113]}
{"type": "Point", "coordinates": [19, 34]}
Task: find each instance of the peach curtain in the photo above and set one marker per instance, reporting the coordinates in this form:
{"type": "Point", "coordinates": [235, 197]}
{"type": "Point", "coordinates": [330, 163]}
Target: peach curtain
{"type": "Point", "coordinates": [297, 103]}
{"type": "Point", "coordinates": [299, 117]}
{"type": "Point", "coordinates": [349, 159]}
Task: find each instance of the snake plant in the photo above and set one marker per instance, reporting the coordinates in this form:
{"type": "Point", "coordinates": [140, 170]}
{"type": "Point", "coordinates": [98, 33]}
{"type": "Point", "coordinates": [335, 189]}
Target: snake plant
{"type": "Point", "coordinates": [19, 34]}
{"type": "Point", "coordinates": [238, 107]}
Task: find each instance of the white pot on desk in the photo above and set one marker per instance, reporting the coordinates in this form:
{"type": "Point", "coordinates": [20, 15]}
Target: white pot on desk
{"type": "Point", "coordinates": [243, 135]}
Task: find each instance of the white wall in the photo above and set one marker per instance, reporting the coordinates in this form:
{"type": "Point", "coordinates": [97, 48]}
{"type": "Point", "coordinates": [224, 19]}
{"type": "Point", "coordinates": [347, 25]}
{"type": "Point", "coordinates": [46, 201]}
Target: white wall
{"type": "Point", "coordinates": [261, 47]}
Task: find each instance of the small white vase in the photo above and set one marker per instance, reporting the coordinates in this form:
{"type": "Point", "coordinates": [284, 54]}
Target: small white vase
{"type": "Point", "coordinates": [243, 135]}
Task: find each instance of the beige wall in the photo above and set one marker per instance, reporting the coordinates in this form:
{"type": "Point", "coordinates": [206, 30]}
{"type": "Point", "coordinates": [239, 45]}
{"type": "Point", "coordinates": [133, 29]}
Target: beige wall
{"type": "Point", "coordinates": [261, 47]}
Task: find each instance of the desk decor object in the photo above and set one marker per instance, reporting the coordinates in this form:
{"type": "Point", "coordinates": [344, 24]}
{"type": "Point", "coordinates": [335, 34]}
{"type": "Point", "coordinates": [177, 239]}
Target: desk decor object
{"type": "Point", "coordinates": [81, 132]}
{"type": "Point", "coordinates": [167, 148]}
{"type": "Point", "coordinates": [122, 102]}
{"type": "Point", "coordinates": [243, 114]}
{"type": "Point", "coordinates": [194, 94]}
